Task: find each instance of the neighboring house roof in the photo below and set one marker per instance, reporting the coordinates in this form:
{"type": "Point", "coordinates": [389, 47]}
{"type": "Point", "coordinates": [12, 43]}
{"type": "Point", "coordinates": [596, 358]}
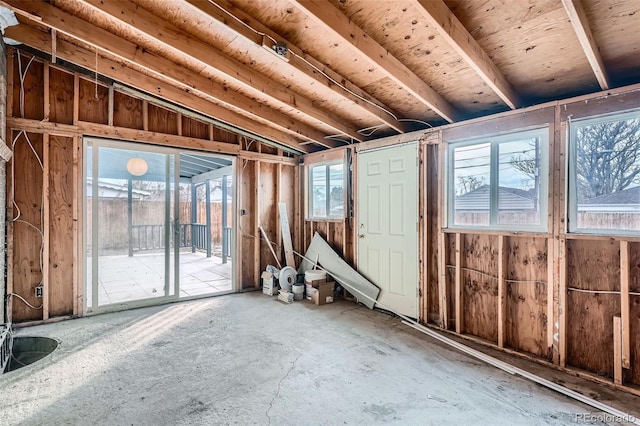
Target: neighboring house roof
{"type": "Point", "coordinates": [627, 200]}
{"type": "Point", "coordinates": [508, 199]}
{"type": "Point", "coordinates": [111, 190]}
{"type": "Point", "coordinates": [216, 195]}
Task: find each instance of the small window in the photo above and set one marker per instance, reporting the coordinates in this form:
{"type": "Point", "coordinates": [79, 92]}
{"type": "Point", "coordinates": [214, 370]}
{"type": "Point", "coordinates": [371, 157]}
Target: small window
{"type": "Point", "coordinates": [326, 191]}
{"type": "Point", "coordinates": [605, 174]}
{"type": "Point", "coordinates": [499, 182]}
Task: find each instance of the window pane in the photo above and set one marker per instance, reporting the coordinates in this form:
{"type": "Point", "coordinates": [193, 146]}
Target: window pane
{"type": "Point", "coordinates": [608, 175]}
{"type": "Point", "coordinates": [519, 182]}
{"type": "Point", "coordinates": [471, 165]}
{"type": "Point", "coordinates": [319, 191]}
{"type": "Point", "coordinates": [336, 193]}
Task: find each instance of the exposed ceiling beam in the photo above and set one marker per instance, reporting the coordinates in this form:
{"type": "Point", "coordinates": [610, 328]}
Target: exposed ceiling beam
{"type": "Point", "coordinates": [241, 23]}
{"type": "Point", "coordinates": [451, 29]}
{"type": "Point", "coordinates": [163, 68]}
{"type": "Point", "coordinates": [119, 72]}
{"type": "Point", "coordinates": [169, 35]}
{"type": "Point", "coordinates": [335, 20]}
{"type": "Point", "coordinates": [578, 19]}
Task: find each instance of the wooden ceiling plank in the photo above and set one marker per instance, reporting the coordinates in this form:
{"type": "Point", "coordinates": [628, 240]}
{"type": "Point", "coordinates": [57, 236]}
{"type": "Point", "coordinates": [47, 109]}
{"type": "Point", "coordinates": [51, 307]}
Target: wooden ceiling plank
{"type": "Point", "coordinates": [164, 68]}
{"type": "Point", "coordinates": [171, 36]}
{"type": "Point", "coordinates": [580, 24]}
{"type": "Point", "coordinates": [335, 20]}
{"type": "Point", "coordinates": [451, 29]}
{"type": "Point", "coordinates": [116, 71]}
{"type": "Point", "coordinates": [225, 13]}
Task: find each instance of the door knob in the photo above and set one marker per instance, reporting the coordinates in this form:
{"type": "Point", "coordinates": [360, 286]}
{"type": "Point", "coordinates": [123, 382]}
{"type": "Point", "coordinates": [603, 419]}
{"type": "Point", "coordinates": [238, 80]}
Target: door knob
{"type": "Point", "coordinates": [361, 236]}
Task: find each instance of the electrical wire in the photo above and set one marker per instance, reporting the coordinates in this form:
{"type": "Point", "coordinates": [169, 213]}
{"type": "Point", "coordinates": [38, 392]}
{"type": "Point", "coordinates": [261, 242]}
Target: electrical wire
{"type": "Point", "coordinates": [25, 301]}
{"type": "Point", "coordinates": [17, 218]}
{"type": "Point", "coordinates": [579, 290]}
{"type": "Point", "coordinates": [327, 76]}
{"type": "Point", "coordinates": [22, 76]}
{"type": "Point", "coordinates": [495, 278]}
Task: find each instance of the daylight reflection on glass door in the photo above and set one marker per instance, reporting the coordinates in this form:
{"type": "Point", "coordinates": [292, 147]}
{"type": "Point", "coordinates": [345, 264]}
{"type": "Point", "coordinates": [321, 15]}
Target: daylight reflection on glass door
{"type": "Point", "coordinates": [129, 234]}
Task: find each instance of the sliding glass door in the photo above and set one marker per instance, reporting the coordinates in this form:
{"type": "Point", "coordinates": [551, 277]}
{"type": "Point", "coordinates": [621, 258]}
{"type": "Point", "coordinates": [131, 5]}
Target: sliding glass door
{"type": "Point", "coordinates": [130, 230]}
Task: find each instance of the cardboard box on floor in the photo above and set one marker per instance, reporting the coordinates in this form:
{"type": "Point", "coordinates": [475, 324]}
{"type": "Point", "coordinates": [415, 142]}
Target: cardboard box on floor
{"type": "Point", "coordinates": [323, 292]}
{"type": "Point", "coordinates": [269, 285]}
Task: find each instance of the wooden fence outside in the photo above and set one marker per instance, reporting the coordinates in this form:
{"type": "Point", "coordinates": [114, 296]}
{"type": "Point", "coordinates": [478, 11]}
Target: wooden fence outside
{"type": "Point", "coordinates": [112, 219]}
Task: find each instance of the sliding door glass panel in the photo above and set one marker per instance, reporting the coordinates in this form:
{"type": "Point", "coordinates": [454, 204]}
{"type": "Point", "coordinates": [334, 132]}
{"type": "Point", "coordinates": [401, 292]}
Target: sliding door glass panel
{"type": "Point", "coordinates": [130, 218]}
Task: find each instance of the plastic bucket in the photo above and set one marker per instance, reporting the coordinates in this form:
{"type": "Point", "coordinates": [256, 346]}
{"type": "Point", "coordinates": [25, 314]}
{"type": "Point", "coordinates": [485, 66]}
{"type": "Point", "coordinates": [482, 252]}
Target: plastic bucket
{"type": "Point", "coordinates": [314, 275]}
{"type": "Point", "coordinates": [298, 291]}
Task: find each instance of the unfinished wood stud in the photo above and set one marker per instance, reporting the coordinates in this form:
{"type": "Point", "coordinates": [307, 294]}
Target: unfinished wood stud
{"type": "Point", "coordinates": [617, 351]}
{"type": "Point", "coordinates": [624, 304]}
{"type": "Point", "coordinates": [502, 305]}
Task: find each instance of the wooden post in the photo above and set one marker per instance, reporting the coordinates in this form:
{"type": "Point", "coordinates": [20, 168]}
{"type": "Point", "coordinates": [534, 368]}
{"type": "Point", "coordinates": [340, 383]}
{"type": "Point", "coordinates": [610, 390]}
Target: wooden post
{"type": "Point", "coordinates": [45, 227]}
{"type": "Point", "coordinates": [179, 123]}
{"type": "Point", "coordinates": [297, 214]}
{"type": "Point", "coordinates": [502, 303]}
{"type": "Point", "coordinates": [442, 280]}
{"type": "Point", "coordinates": [423, 283]}
{"type": "Point", "coordinates": [458, 284]}
{"type": "Point", "coordinates": [278, 184]}
{"type": "Point", "coordinates": [442, 250]}
{"type": "Point", "coordinates": [54, 45]}
{"type": "Point", "coordinates": [551, 255]}
{"type": "Point", "coordinates": [562, 302]}
{"type": "Point", "coordinates": [256, 224]}
{"type": "Point", "coordinates": [111, 105]}
{"type": "Point", "coordinates": [557, 227]}
{"type": "Point", "coordinates": [225, 237]}
{"type": "Point", "coordinates": [47, 91]}
{"type": "Point", "coordinates": [77, 227]}
{"type": "Point", "coordinates": [10, 88]}
{"type": "Point", "coordinates": [617, 351]}
{"type": "Point", "coordinates": [8, 313]}
{"type": "Point", "coordinates": [624, 303]}
{"type": "Point", "coordinates": [145, 115]}
{"type": "Point", "coordinates": [76, 98]}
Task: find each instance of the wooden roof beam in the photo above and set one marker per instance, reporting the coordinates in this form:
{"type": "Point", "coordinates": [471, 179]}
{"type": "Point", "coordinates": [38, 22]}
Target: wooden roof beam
{"type": "Point", "coordinates": [84, 58]}
{"type": "Point", "coordinates": [578, 19]}
{"type": "Point", "coordinates": [182, 43]}
{"type": "Point", "coordinates": [440, 16]}
{"type": "Point", "coordinates": [226, 14]}
{"type": "Point", "coordinates": [378, 56]}
{"type": "Point", "coordinates": [165, 69]}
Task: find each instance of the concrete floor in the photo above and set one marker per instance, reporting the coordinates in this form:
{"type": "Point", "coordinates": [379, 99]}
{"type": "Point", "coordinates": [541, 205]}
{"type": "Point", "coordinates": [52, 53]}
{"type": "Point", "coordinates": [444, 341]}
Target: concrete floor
{"type": "Point", "coordinates": [249, 359]}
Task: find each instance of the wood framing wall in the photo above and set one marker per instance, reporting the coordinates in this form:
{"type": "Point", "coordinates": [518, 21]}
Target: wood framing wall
{"type": "Point", "coordinates": [50, 109]}
{"type": "Point", "coordinates": [554, 296]}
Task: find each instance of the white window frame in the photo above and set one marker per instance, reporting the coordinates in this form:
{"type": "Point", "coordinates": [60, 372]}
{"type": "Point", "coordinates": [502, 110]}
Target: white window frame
{"type": "Point", "coordinates": [572, 204]}
{"type": "Point", "coordinates": [309, 187]}
{"type": "Point", "coordinates": [494, 141]}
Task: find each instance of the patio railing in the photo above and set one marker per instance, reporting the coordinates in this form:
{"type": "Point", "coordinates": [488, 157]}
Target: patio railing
{"type": "Point", "coordinates": [194, 235]}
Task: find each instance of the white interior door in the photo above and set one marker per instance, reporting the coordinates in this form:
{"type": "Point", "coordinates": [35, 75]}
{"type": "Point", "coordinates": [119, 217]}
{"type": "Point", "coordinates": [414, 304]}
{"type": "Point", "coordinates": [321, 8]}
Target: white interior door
{"type": "Point", "coordinates": [388, 224]}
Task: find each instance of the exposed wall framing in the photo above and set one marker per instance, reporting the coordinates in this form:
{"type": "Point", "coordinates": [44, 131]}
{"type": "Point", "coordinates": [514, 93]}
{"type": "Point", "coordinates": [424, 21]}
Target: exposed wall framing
{"type": "Point", "coordinates": [551, 296]}
{"type": "Point", "coordinates": [554, 296]}
{"type": "Point", "coordinates": [52, 109]}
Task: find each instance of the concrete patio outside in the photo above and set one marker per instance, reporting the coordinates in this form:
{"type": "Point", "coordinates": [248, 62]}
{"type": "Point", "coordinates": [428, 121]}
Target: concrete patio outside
{"type": "Point", "coordinates": [123, 278]}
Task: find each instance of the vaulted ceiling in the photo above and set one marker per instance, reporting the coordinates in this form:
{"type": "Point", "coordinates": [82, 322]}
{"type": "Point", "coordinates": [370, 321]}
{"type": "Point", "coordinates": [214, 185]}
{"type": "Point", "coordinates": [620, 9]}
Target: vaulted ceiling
{"type": "Point", "coordinates": [317, 74]}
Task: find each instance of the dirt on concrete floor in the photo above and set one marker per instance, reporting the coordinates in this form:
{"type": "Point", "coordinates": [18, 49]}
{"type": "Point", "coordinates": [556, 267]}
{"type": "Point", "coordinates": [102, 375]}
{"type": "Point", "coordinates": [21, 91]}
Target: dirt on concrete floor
{"type": "Point", "coordinates": [249, 359]}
